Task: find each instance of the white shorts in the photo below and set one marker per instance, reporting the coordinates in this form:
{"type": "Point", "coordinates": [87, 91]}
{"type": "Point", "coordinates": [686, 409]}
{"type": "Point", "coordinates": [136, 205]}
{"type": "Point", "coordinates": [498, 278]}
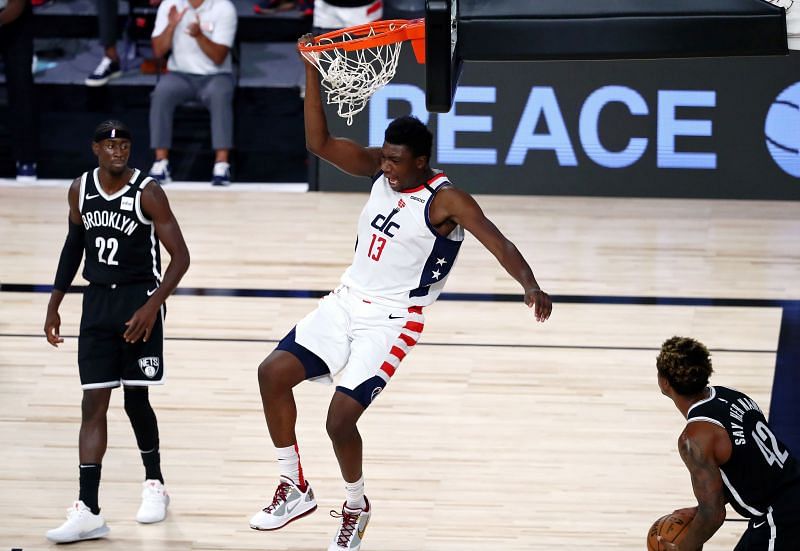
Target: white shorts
{"type": "Point", "coordinates": [363, 340]}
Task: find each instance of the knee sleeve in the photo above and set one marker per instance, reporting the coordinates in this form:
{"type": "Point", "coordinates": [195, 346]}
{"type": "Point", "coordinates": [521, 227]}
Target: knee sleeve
{"type": "Point", "coordinates": [142, 417]}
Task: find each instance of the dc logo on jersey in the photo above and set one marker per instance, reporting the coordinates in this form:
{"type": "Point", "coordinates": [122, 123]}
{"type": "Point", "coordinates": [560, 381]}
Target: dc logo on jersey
{"type": "Point", "coordinates": [149, 366]}
{"type": "Point", "coordinates": [375, 394]}
{"type": "Point", "coordinates": [782, 130]}
{"type": "Point", "coordinates": [384, 224]}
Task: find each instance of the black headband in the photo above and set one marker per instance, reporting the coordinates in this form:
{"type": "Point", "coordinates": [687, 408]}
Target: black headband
{"type": "Point", "coordinates": [119, 133]}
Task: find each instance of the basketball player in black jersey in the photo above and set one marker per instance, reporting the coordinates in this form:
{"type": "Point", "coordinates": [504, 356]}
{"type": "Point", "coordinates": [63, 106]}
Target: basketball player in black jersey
{"type": "Point", "coordinates": [117, 216]}
{"type": "Point", "coordinates": [732, 455]}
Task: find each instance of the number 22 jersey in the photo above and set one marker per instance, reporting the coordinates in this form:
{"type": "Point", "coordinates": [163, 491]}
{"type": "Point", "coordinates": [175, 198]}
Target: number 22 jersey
{"type": "Point", "coordinates": [120, 241]}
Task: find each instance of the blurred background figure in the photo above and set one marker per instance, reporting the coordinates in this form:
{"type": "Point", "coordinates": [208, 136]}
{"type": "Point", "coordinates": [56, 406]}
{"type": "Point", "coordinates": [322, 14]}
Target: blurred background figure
{"type": "Point", "coordinates": [330, 15]}
{"type": "Point", "coordinates": [198, 35]}
{"type": "Point", "coordinates": [16, 48]}
{"type": "Point", "coordinates": [109, 66]}
{"type": "Point", "coordinates": [266, 7]}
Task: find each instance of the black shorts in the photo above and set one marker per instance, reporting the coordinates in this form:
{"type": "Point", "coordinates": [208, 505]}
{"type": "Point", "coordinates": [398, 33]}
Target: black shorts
{"type": "Point", "coordinates": [105, 360]}
{"type": "Point", "coordinates": [779, 529]}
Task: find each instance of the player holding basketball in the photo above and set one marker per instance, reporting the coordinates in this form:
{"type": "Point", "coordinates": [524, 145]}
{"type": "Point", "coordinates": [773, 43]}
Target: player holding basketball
{"type": "Point", "coordinates": [117, 215]}
{"type": "Point", "coordinates": [409, 234]}
{"type": "Point", "coordinates": [732, 456]}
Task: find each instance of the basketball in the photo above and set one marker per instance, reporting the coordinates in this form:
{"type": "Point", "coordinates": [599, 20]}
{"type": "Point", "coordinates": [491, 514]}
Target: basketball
{"type": "Point", "coordinates": [671, 528]}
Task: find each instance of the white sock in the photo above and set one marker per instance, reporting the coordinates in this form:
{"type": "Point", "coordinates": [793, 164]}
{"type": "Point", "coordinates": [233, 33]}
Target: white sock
{"type": "Point", "coordinates": [289, 464]}
{"type": "Point", "coordinates": [355, 494]}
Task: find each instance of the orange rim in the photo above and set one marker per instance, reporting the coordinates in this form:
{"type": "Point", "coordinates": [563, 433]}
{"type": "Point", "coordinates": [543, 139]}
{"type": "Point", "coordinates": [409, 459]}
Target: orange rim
{"type": "Point", "coordinates": [383, 32]}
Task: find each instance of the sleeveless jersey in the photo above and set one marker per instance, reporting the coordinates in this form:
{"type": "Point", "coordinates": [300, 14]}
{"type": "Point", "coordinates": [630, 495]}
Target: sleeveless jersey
{"type": "Point", "coordinates": [120, 242]}
{"type": "Point", "coordinates": [760, 466]}
{"type": "Point", "coordinates": [400, 259]}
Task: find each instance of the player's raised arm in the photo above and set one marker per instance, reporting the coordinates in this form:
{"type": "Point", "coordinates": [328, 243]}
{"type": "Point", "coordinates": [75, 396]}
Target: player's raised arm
{"type": "Point", "coordinates": [460, 207]}
{"type": "Point", "coordinates": [68, 263]}
{"type": "Point", "coordinates": [696, 445]}
{"type": "Point", "coordinates": [346, 155]}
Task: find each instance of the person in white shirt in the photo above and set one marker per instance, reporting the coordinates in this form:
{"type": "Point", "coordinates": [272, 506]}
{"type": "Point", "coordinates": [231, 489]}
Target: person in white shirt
{"type": "Point", "coordinates": [199, 34]}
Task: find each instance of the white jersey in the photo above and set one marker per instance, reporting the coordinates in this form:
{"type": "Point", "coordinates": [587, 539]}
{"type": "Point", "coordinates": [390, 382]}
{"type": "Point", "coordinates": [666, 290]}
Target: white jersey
{"type": "Point", "coordinates": [400, 258]}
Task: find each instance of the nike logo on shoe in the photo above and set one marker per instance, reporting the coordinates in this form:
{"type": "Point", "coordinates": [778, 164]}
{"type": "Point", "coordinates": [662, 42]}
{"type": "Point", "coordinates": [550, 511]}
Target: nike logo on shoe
{"type": "Point", "coordinates": [88, 196]}
{"type": "Point", "coordinates": [292, 506]}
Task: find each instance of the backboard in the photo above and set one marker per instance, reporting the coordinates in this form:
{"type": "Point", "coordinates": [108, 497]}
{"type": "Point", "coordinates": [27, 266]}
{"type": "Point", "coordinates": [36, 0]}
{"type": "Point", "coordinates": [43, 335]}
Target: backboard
{"type": "Point", "coordinates": [525, 30]}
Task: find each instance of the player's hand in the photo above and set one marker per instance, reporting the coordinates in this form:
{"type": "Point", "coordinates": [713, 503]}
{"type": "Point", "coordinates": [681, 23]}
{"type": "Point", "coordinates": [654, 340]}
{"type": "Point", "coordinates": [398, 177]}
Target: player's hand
{"type": "Point", "coordinates": [667, 546]}
{"type": "Point", "coordinates": [52, 328]}
{"type": "Point", "coordinates": [141, 324]}
{"type": "Point", "coordinates": [304, 40]}
{"type": "Point", "coordinates": [686, 511]}
{"type": "Point", "coordinates": [540, 302]}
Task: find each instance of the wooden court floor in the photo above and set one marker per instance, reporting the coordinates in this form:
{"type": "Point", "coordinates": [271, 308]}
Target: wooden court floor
{"type": "Point", "coordinates": [497, 432]}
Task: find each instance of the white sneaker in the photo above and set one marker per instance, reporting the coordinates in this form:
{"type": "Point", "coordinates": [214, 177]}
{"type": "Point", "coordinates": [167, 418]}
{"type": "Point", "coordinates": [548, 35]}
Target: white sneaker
{"type": "Point", "coordinates": [222, 174]}
{"type": "Point", "coordinates": [289, 503]}
{"type": "Point", "coordinates": [160, 171]}
{"type": "Point", "coordinates": [155, 500]}
{"type": "Point", "coordinates": [354, 523]}
{"type": "Point", "coordinates": [81, 524]}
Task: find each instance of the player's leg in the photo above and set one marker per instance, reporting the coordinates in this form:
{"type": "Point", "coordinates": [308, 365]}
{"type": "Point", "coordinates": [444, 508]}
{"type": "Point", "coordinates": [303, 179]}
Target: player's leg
{"type": "Point", "coordinates": [315, 348]}
{"type": "Point", "coordinates": [381, 339]}
{"type": "Point", "coordinates": [84, 520]}
{"type": "Point", "coordinates": [99, 368]}
{"type": "Point", "coordinates": [143, 367]}
{"type": "Point", "coordinates": [278, 374]}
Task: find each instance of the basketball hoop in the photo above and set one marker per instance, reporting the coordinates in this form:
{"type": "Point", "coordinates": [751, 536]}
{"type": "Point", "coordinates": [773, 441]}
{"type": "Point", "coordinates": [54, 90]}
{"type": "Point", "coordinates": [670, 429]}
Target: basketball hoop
{"type": "Point", "coordinates": [357, 61]}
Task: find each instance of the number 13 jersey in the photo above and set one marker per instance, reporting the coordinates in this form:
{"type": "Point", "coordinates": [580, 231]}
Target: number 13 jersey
{"type": "Point", "coordinates": [760, 466]}
{"type": "Point", "coordinates": [400, 258]}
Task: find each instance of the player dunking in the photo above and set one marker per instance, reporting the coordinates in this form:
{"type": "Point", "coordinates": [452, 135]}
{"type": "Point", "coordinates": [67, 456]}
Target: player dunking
{"type": "Point", "coordinates": [409, 234]}
{"type": "Point", "coordinates": [732, 455]}
{"type": "Point", "coordinates": [117, 215]}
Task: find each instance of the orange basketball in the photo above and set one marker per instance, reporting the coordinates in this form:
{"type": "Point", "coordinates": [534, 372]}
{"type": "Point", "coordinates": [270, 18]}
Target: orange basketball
{"type": "Point", "coordinates": [671, 528]}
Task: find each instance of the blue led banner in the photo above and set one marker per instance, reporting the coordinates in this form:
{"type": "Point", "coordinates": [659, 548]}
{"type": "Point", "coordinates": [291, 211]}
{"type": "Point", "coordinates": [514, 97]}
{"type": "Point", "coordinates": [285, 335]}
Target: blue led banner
{"type": "Point", "coordinates": [724, 127]}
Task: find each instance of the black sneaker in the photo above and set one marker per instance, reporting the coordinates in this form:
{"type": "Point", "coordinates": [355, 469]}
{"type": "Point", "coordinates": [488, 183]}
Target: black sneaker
{"type": "Point", "coordinates": [105, 71]}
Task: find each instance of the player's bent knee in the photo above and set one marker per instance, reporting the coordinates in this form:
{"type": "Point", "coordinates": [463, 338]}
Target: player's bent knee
{"type": "Point", "coordinates": [280, 371]}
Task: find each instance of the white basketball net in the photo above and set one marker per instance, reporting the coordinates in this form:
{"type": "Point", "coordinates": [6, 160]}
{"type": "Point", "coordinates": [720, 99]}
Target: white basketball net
{"type": "Point", "coordinates": [349, 78]}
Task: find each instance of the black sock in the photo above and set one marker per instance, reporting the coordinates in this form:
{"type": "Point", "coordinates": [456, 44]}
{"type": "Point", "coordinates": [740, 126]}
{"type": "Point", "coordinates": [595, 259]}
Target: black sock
{"type": "Point", "coordinates": [152, 465]}
{"type": "Point", "coordinates": [89, 479]}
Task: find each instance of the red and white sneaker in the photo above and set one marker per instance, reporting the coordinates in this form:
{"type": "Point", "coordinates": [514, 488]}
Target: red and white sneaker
{"type": "Point", "coordinates": [289, 503]}
{"type": "Point", "coordinates": [351, 532]}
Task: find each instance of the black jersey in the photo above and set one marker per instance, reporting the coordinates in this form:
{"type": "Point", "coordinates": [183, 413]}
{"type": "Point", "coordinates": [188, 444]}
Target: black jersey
{"type": "Point", "coordinates": [120, 241]}
{"type": "Point", "coordinates": [760, 466]}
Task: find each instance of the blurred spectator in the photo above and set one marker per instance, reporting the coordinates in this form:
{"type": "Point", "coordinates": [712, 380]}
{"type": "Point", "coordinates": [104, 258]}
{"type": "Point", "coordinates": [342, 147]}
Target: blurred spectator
{"type": "Point", "coordinates": [200, 34]}
{"type": "Point", "coordinates": [330, 15]}
{"type": "Point", "coordinates": [16, 48]}
{"type": "Point", "coordinates": [266, 7]}
{"type": "Point", "coordinates": [109, 66]}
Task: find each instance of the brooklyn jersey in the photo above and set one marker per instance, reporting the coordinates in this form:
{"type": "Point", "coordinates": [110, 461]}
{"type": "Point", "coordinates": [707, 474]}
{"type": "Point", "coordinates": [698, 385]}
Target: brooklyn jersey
{"type": "Point", "coordinates": [760, 466]}
{"type": "Point", "coordinates": [400, 259]}
{"type": "Point", "coordinates": [120, 241]}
